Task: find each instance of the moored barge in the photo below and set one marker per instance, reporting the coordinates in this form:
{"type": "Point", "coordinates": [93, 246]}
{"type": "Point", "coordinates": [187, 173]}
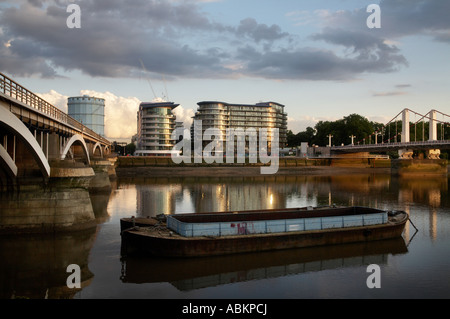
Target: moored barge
{"type": "Point", "coordinates": [206, 234]}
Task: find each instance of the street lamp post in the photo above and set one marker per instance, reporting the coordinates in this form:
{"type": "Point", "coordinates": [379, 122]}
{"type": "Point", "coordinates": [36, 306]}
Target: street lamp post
{"type": "Point", "coordinates": [329, 140]}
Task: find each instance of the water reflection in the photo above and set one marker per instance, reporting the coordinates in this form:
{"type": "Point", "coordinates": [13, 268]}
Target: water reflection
{"type": "Point", "coordinates": [196, 273]}
{"type": "Point", "coordinates": [34, 266]}
{"type": "Point", "coordinates": [211, 194]}
{"type": "Point", "coordinates": [175, 195]}
{"type": "Point", "coordinates": [431, 192]}
{"type": "Point", "coordinates": [208, 194]}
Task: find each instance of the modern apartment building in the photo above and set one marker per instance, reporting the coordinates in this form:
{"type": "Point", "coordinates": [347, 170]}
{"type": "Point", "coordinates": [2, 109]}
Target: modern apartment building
{"type": "Point", "coordinates": [155, 124]}
{"type": "Point", "coordinates": [88, 110]}
{"type": "Point", "coordinates": [223, 115]}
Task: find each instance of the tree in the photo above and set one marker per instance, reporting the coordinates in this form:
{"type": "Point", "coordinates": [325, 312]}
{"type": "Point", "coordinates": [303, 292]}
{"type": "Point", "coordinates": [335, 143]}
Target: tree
{"type": "Point", "coordinates": [130, 148]}
{"type": "Point", "coordinates": [306, 136]}
{"type": "Point", "coordinates": [291, 139]}
{"type": "Point", "coordinates": [294, 140]}
{"type": "Point", "coordinates": [358, 126]}
{"type": "Point", "coordinates": [323, 129]}
{"type": "Point", "coordinates": [343, 129]}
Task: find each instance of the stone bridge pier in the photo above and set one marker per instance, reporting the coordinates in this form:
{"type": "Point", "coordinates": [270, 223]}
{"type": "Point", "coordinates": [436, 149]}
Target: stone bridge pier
{"type": "Point", "coordinates": [47, 178]}
{"type": "Point", "coordinates": [59, 202]}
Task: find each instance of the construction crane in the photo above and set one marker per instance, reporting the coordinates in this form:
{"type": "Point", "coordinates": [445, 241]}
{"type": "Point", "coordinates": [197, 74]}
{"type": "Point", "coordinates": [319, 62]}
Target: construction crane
{"type": "Point", "coordinates": [148, 80]}
{"type": "Point", "coordinates": [149, 83]}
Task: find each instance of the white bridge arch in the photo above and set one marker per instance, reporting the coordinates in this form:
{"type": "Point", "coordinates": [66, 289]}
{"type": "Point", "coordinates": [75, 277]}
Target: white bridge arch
{"type": "Point", "coordinates": [77, 138]}
{"type": "Point", "coordinates": [18, 128]}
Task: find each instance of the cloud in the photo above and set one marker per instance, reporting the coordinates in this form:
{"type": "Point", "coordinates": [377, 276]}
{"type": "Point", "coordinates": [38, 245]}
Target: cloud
{"type": "Point", "coordinates": [390, 93]}
{"type": "Point", "coordinates": [179, 40]}
{"type": "Point", "coordinates": [112, 39]}
{"type": "Point", "coordinates": [260, 32]}
{"type": "Point", "coordinates": [393, 93]}
{"type": "Point", "coordinates": [399, 18]}
{"type": "Point", "coordinates": [425, 17]}
{"type": "Point", "coordinates": [184, 115]}
{"type": "Point", "coordinates": [56, 99]}
{"type": "Point", "coordinates": [301, 17]}
{"type": "Point", "coordinates": [375, 50]}
{"type": "Point", "coordinates": [300, 123]}
{"type": "Point", "coordinates": [120, 112]}
{"type": "Point", "coordinates": [320, 64]}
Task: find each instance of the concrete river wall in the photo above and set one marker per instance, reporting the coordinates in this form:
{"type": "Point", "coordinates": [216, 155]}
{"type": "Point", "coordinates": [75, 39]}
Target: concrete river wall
{"type": "Point", "coordinates": [62, 203]}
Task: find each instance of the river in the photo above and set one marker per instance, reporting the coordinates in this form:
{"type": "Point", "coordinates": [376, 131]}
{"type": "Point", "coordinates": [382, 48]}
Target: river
{"type": "Point", "coordinates": [415, 266]}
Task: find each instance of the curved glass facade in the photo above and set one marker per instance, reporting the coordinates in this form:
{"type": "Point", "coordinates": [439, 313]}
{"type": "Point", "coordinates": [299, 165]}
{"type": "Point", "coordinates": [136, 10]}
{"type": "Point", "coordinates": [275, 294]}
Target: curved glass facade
{"type": "Point", "coordinates": [155, 123]}
{"type": "Point", "coordinates": [89, 111]}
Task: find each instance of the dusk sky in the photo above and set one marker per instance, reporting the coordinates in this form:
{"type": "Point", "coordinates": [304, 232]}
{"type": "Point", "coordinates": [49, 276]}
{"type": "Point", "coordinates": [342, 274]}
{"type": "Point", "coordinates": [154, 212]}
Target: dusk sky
{"type": "Point", "coordinates": [318, 58]}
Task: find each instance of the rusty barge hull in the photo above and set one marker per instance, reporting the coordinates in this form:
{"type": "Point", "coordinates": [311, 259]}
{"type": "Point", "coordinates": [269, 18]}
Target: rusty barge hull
{"type": "Point", "coordinates": [161, 241]}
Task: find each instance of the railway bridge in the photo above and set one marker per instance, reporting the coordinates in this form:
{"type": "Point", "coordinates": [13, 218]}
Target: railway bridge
{"type": "Point", "coordinates": [37, 137]}
{"type": "Point", "coordinates": [50, 165]}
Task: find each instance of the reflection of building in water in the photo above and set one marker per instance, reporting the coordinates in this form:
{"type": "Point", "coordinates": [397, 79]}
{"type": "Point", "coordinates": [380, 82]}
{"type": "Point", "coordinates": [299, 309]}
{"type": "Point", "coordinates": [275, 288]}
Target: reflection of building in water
{"type": "Point", "coordinates": [434, 197]}
{"type": "Point", "coordinates": [433, 223]}
{"type": "Point", "coordinates": [213, 197]}
{"type": "Point", "coordinates": [161, 195]}
{"type": "Point", "coordinates": [427, 190]}
{"type": "Point", "coordinates": [152, 199]}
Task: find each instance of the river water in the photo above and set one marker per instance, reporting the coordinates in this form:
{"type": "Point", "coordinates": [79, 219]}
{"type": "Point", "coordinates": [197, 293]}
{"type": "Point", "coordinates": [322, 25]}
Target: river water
{"type": "Point", "coordinates": [415, 266]}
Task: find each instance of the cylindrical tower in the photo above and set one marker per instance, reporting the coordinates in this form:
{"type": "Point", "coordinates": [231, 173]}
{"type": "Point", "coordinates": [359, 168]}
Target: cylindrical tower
{"type": "Point", "coordinates": [90, 111]}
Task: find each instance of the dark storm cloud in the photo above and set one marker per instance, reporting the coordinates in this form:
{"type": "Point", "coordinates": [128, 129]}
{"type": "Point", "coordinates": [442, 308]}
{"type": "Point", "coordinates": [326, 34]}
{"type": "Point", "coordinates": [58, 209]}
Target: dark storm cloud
{"type": "Point", "coordinates": [177, 39]}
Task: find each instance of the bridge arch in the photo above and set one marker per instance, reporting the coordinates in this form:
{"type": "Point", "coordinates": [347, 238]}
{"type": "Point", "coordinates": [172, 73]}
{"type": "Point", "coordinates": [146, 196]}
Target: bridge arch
{"type": "Point", "coordinates": [75, 139]}
{"type": "Point", "coordinates": [16, 126]}
{"type": "Point", "coordinates": [7, 162]}
{"type": "Point", "coordinates": [99, 147]}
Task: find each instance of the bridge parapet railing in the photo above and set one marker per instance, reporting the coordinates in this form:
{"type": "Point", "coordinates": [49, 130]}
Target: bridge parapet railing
{"type": "Point", "coordinates": [395, 144]}
{"type": "Point", "coordinates": [16, 91]}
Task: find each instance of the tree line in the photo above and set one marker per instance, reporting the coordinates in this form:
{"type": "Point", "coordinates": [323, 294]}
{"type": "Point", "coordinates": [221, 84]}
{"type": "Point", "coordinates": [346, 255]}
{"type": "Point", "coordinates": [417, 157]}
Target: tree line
{"type": "Point", "coordinates": [363, 132]}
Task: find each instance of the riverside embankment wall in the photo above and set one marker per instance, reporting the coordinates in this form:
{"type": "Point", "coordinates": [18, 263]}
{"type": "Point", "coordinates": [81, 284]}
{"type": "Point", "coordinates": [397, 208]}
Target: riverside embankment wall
{"type": "Point", "coordinates": [162, 166]}
{"type": "Point", "coordinates": [136, 161]}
